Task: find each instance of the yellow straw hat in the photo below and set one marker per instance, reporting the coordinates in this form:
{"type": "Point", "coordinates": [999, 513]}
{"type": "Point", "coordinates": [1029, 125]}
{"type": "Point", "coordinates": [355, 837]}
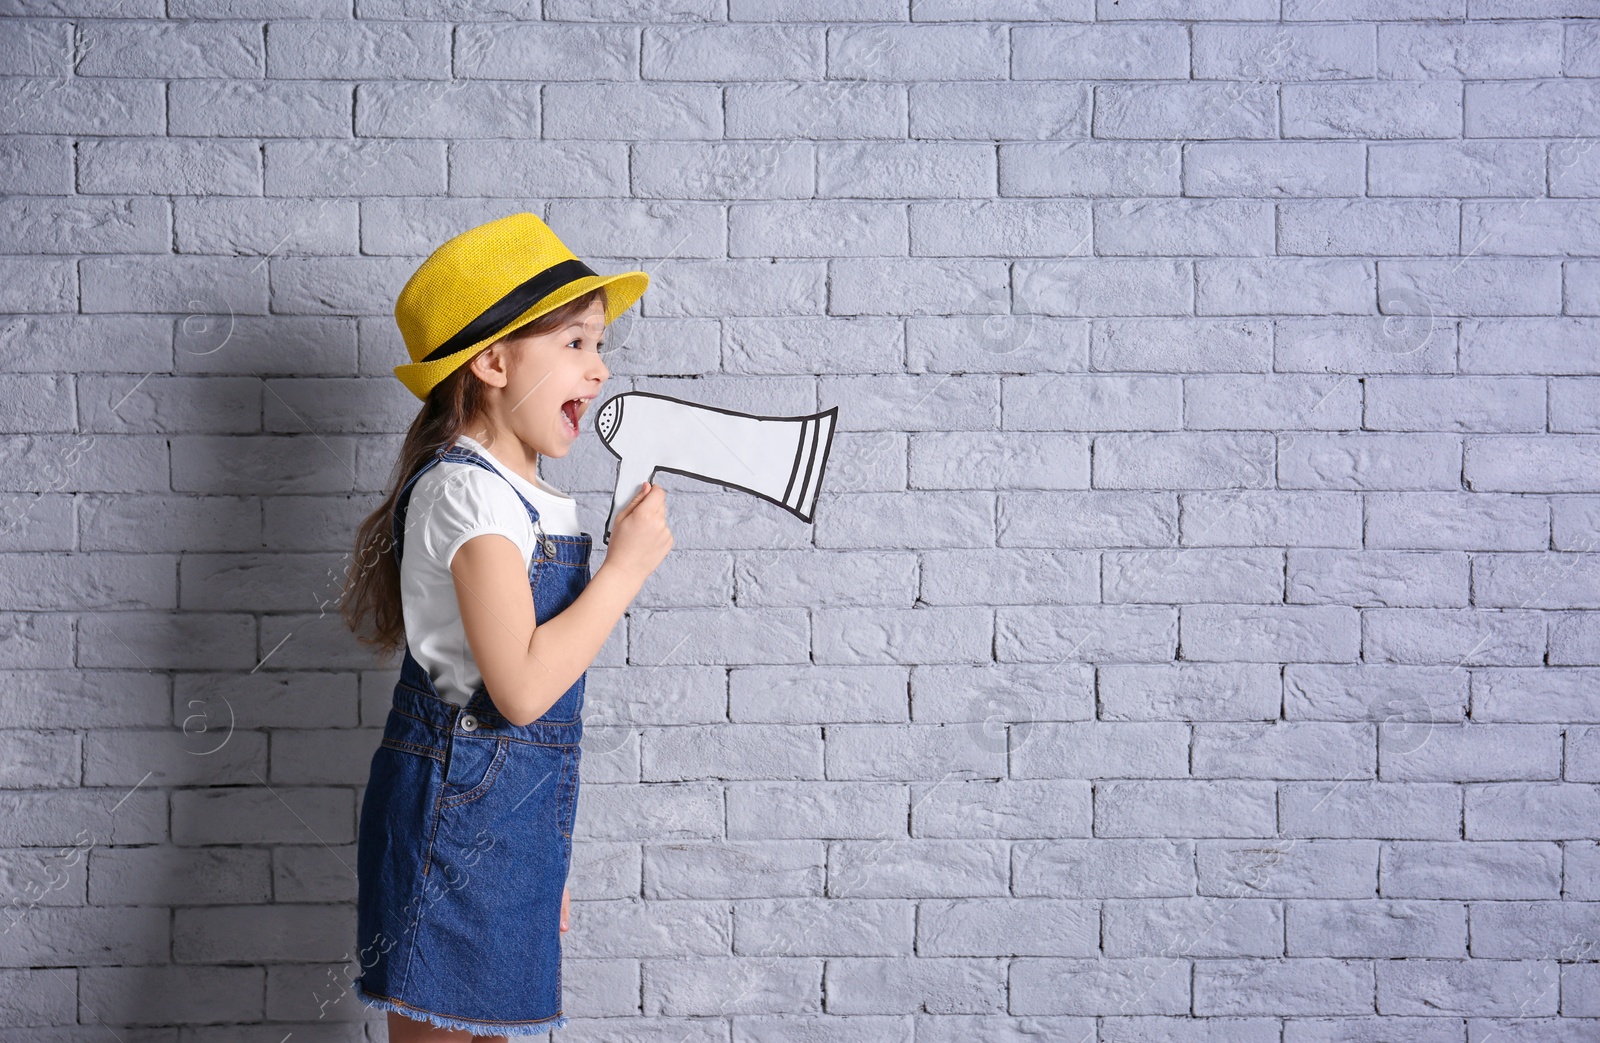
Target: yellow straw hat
{"type": "Point", "coordinates": [487, 282]}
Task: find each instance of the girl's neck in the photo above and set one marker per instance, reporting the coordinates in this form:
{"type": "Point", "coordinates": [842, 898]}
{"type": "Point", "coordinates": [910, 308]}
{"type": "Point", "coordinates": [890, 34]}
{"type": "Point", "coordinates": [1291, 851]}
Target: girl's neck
{"type": "Point", "coordinates": [507, 448]}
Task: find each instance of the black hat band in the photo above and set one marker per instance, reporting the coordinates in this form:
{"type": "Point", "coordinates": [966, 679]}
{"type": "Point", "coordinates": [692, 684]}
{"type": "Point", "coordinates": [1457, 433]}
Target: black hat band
{"type": "Point", "coordinates": [502, 312]}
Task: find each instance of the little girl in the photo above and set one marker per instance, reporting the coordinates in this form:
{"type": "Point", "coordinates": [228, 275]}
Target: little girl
{"type": "Point", "coordinates": [477, 568]}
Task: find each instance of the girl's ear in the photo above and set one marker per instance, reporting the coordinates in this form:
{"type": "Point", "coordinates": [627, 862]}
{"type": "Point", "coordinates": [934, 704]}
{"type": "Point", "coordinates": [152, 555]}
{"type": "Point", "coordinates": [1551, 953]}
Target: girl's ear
{"type": "Point", "coordinates": [489, 365]}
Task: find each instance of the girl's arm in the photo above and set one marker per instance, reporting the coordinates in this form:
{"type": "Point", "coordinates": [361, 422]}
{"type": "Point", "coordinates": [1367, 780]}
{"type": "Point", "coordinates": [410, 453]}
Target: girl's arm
{"type": "Point", "coordinates": [528, 667]}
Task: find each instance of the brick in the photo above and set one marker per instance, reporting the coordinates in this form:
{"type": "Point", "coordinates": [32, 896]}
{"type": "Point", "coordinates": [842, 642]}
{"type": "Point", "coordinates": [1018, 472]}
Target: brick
{"type": "Point", "coordinates": [163, 994]}
{"type": "Point", "coordinates": [1270, 402]}
{"type": "Point", "coordinates": [1288, 868]}
{"type": "Point", "coordinates": [1532, 108]}
{"type": "Point", "coordinates": [1191, 692]}
{"type": "Point", "coordinates": [851, 110]}
{"type": "Point", "coordinates": [983, 693]}
{"type": "Point", "coordinates": [1411, 338]}
{"type": "Point", "coordinates": [1472, 869]}
{"type": "Point", "coordinates": [963, 460]}
{"type": "Point", "coordinates": [1090, 402]}
{"type": "Point", "coordinates": [1104, 868]}
{"type": "Point", "coordinates": [1534, 930]}
{"type": "Point", "coordinates": [543, 52]}
{"type": "Point", "coordinates": [1572, 523]}
{"type": "Point", "coordinates": [1393, 579]}
{"type": "Point", "coordinates": [63, 105]}
{"type": "Point", "coordinates": [971, 51]}
{"type": "Point", "coordinates": [1192, 927]}
{"type": "Point", "coordinates": [1284, 53]}
{"type": "Point", "coordinates": [1187, 111]}
{"type": "Point", "coordinates": [1380, 929]}
{"type": "Point", "coordinates": [170, 166]}
{"type": "Point", "coordinates": [1198, 1030]}
{"type": "Point", "coordinates": [1480, 51]}
{"type": "Point", "coordinates": [1396, 696]}
{"type": "Point", "coordinates": [1344, 228]}
{"type": "Point", "coordinates": [1103, 750]}
{"type": "Point", "coordinates": [341, 168]}
{"type": "Point", "coordinates": [1372, 110]}
{"type": "Point", "coordinates": [804, 926]}
{"type": "Point", "coordinates": [1456, 521]}
{"type": "Point", "coordinates": [1534, 695]}
{"type": "Point", "coordinates": [1270, 633]}
{"type": "Point", "coordinates": [1574, 168]}
{"type": "Point", "coordinates": [1546, 463]}
{"type": "Point", "coordinates": [1361, 460]}
{"type": "Point", "coordinates": [1581, 288]}
{"type": "Point", "coordinates": [37, 48]}
{"type": "Point", "coordinates": [266, 933]}
{"type": "Point", "coordinates": [1305, 985]}
{"type": "Point", "coordinates": [991, 927]}
{"type": "Point", "coordinates": [1161, 226]}
{"type": "Point", "coordinates": [304, 50]}
{"type": "Point", "coordinates": [1552, 580]}
{"type": "Point", "coordinates": [1169, 345]}
{"type": "Point", "coordinates": [1183, 460]}
{"type": "Point", "coordinates": [1469, 168]}
{"type": "Point", "coordinates": [1285, 286]}
{"type": "Point", "coordinates": [795, 229]}
{"type": "Point", "coordinates": [1305, 750]}
{"type": "Point", "coordinates": [916, 869]}
{"type": "Point", "coordinates": [225, 108]}
{"type": "Point", "coordinates": [733, 52]}
{"type": "Point", "coordinates": [1529, 810]}
{"type": "Point", "coordinates": [36, 165]}
{"type": "Point", "coordinates": [159, 50]}
{"type": "Point", "coordinates": [926, 287]}
{"type": "Point", "coordinates": [1189, 575]}
{"type": "Point", "coordinates": [1100, 52]}
{"type": "Point", "coordinates": [1065, 519]}
{"type": "Point", "coordinates": [1246, 516]}
{"type": "Point", "coordinates": [1021, 809]}
{"type": "Point", "coordinates": [1204, 808]}
{"type": "Point", "coordinates": [1372, 810]}
{"type": "Point", "coordinates": [1465, 987]}
{"type": "Point", "coordinates": [1099, 986]}
{"type": "Point", "coordinates": [1460, 404]}
{"type": "Point", "coordinates": [1274, 168]}
{"type": "Point", "coordinates": [882, 752]}
{"type": "Point", "coordinates": [1376, 10]}
{"type": "Point", "coordinates": [996, 228]}
{"type": "Point", "coordinates": [1020, 110]}
{"type": "Point", "coordinates": [1090, 168]}
{"type": "Point", "coordinates": [1225, 10]}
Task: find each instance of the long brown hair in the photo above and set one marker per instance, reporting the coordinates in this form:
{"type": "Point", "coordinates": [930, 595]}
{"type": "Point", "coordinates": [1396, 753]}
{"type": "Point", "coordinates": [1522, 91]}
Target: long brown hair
{"type": "Point", "coordinates": [372, 582]}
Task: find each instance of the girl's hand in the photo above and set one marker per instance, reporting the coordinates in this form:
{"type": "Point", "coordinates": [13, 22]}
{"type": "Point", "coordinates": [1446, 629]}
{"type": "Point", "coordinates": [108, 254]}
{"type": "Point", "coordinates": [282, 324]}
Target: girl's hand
{"type": "Point", "coordinates": [640, 538]}
{"type": "Point", "coordinates": [566, 899]}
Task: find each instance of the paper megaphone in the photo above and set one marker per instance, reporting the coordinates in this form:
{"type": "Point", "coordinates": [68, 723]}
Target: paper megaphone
{"type": "Point", "coordinates": [778, 458]}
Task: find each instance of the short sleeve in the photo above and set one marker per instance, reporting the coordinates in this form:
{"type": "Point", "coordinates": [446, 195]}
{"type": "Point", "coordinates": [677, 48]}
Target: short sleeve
{"type": "Point", "coordinates": [461, 502]}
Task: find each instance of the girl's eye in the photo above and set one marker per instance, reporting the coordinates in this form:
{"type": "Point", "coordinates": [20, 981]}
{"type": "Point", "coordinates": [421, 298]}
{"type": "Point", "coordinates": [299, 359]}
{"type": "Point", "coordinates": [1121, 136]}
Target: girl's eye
{"type": "Point", "coordinates": [598, 347]}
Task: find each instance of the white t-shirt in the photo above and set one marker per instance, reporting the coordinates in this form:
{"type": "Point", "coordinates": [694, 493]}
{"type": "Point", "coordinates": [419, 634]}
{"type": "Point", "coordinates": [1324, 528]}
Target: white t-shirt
{"type": "Point", "coordinates": [450, 504]}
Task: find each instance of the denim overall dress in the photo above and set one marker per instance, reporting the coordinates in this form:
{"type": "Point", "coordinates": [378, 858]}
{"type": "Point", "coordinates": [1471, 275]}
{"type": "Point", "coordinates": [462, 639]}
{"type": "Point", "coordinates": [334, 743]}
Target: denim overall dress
{"type": "Point", "coordinates": [465, 836]}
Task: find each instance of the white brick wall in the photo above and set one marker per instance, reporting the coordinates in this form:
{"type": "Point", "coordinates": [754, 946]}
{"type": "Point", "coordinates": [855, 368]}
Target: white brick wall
{"type": "Point", "coordinates": [1199, 636]}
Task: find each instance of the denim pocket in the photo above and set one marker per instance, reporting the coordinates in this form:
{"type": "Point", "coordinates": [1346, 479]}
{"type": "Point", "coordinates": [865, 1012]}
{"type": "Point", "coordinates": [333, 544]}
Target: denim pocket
{"type": "Point", "coordinates": [471, 768]}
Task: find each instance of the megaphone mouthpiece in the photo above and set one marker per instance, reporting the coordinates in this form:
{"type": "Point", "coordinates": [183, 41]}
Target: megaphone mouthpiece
{"type": "Point", "coordinates": [605, 424]}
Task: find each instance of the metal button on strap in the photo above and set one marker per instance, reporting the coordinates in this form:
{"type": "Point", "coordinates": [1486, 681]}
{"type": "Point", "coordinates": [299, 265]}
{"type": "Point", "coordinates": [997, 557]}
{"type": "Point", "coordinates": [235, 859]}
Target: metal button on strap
{"type": "Point", "coordinates": [468, 722]}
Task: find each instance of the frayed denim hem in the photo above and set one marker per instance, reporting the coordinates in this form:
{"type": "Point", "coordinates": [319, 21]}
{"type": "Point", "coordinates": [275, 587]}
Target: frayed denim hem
{"type": "Point", "coordinates": [477, 1028]}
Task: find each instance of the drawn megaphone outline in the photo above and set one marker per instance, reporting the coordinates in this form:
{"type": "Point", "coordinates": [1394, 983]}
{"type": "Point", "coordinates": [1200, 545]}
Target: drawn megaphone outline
{"type": "Point", "coordinates": [779, 458]}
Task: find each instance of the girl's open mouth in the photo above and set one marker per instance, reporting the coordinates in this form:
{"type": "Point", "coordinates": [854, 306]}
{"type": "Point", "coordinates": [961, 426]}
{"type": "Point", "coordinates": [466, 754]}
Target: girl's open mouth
{"type": "Point", "coordinates": [571, 410]}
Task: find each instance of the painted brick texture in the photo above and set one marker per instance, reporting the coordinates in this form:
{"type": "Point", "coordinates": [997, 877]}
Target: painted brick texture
{"type": "Point", "coordinates": [1199, 635]}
